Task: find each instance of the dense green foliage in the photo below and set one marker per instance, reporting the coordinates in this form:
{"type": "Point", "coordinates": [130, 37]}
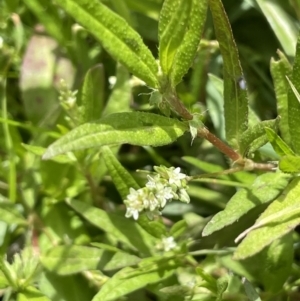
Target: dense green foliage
{"type": "Point", "coordinates": [200, 95]}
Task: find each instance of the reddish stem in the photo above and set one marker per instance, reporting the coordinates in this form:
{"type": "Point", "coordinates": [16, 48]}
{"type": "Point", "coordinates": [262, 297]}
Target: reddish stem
{"type": "Point", "coordinates": [220, 145]}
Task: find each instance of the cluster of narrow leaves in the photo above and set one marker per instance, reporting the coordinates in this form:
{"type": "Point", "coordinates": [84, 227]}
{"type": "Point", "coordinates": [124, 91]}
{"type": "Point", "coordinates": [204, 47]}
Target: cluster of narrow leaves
{"type": "Point", "coordinates": [153, 254]}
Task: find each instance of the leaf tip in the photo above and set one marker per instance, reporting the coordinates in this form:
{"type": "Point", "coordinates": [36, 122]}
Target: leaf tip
{"type": "Point", "coordinates": [47, 155]}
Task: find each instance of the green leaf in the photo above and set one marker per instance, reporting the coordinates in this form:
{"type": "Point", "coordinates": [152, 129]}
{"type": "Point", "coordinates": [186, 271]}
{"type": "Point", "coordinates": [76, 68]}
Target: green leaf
{"type": "Point", "coordinates": [203, 165]}
{"type": "Point", "coordinates": [282, 24]}
{"type": "Point", "coordinates": [3, 280]}
{"type": "Point", "coordinates": [280, 147]}
{"type": "Point", "coordinates": [119, 99]}
{"type": "Point", "coordinates": [211, 282]}
{"type": "Point", "coordinates": [178, 228]}
{"type": "Point", "coordinates": [92, 94]}
{"type": "Point", "coordinates": [250, 291]}
{"type": "Point", "coordinates": [39, 151]}
{"type": "Point", "coordinates": [173, 21]}
{"type": "Point", "coordinates": [67, 260]}
{"type": "Point", "coordinates": [124, 181]}
{"type": "Point", "coordinates": [290, 164]}
{"type": "Point", "coordinates": [124, 230]}
{"type": "Point", "coordinates": [150, 8]}
{"type": "Point", "coordinates": [121, 8]}
{"type": "Point", "coordinates": [235, 97]}
{"type": "Point", "coordinates": [10, 215]}
{"type": "Point", "coordinates": [279, 70]}
{"type": "Point", "coordinates": [66, 288]}
{"type": "Point", "coordinates": [293, 103]}
{"type": "Point", "coordinates": [222, 284]}
{"type": "Point", "coordinates": [255, 137]}
{"type": "Point", "coordinates": [116, 36]}
{"type": "Point", "coordinates": [129, 280]}
{"type": "Point", "coordinates": [120, 176]}
{"type": "Point", "coordinates": [270, 267]}
{"type": "Point", "coordinates": [31, 293]}
{"type": "Point", "coordinates": [276, 263]}
{"type": "Point", "coordinates": [295, 91]}
{"type": "Point", "coordinates": [61, 221]}
{"type": "Point", "coordinates": [136, 128]}
{"type": "Point", "coordinates": [280, 218]}
{"type": "Point", "coordinates": [180, 27]}
{"type": "Point", "coordinates": [215, 104]}
{"type": "Point", "coordinates": [198, 82]}
{"type": "Point", "coordinates": [264, 189]}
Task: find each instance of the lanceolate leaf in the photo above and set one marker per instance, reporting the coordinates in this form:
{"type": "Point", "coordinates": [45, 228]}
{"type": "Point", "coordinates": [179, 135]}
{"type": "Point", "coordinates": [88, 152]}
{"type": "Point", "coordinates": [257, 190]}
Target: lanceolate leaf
{"type": "Point", "coordinates": [122, 229]}
{"type": "Point", "coordinates": [92, 94]}
{"type": "Point", "coordinates": [270, 267]}
{"type": "Point", "coordinates": [180, 27]}
{"type": "Point", "coordinates": [279, 70]}
{"type": "Point", "coordinates": [116, 36]}
{"type": "Point", "coordinates": [120, 176]}
{"type": "Point", "coordinates": [67, 260]}
{"type": "Point", "coordinates": [39, 151]}
{"type": "Point", "coordinates": [136, 128]}
{"type": "Point", "coordinates": [173, 21]}
{"type": "Point", "coordinates": [235, 96]}
{"type": "Point", "coordinates": [281, 217]}
{"type": "Point", "coordinates": [120, 97]}
{"type": "Point", "coordinates": [290, 164]}
{"type": "Point", "coordinates": [255, 137]}
{"type": "Point", "coordinates": [30, 293]}
{"type": "Point", "coordinates": [123, 181]}
{"type": "Point", "coordinates": [215, 105]}
{"type": "Point", "coordinates": [188, 47]}
{"type": "Point", "coordinates": [282, 24]}
{"type": "Point", "coordinates": [276, 263]}
{"type": "Point", "coordinates": [280, 147]}
{"type": "Point", "coordinates": [148, 8]}
{"type": "Point", "coordinates": [293, 103]}
{"type": "Point", "coordinates": [265, 189]}
{"type": "Point", "coordinates": [10, 215]}
{"type": "Point", "coordinates": [250, 291]}
{"type": "Point", "coordinates": [129, 280]}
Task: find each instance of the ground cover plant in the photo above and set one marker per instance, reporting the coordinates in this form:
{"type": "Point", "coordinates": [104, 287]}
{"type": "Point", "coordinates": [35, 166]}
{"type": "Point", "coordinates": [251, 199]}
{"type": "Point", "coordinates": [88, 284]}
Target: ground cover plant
{"type": "Point", "coordinates": [150, 150]}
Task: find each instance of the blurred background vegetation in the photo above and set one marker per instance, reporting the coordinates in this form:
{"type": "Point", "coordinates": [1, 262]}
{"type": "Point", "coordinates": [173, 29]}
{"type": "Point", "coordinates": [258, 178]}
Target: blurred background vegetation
{"type": "Point", "coordinates": [40, 45]}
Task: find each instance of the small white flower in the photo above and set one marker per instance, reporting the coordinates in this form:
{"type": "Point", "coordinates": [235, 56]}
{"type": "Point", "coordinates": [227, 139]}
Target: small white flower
{"type": "Point", "coordinates": [183, 196]}
{"type": "Point", "coordinates": [131, 212]}
{"type": "Point", "coordinates": [164, 194]}
{"type": "Point", "coordinates": [151, 202]}
{"type": "Point", "coordinates": [112, 81]}
{"type": "Point", "coordinates": [151, 182]}
{"type": "Point", "coordinates": [167, 244]}
{"type": "Point", "coordinates": [175, 176]}
{"type": "Point", "coordinates": [135, 202]}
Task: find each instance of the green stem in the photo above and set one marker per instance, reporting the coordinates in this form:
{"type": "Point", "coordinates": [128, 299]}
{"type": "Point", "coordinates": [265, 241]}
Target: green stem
{"type": "Point", "coordinates": [9, 145]}
{"type": "Point", "coordinates": [216, 174]}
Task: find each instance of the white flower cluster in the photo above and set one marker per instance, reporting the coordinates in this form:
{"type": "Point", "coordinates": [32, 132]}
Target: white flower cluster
{"type": "Point", "coordinates": [167, 184]}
